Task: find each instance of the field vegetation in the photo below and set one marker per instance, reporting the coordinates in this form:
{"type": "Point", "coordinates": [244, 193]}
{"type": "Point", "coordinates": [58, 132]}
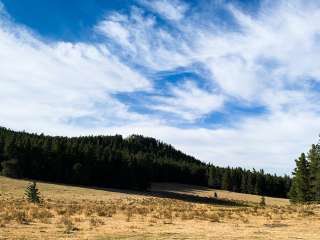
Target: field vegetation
{"type": "Point", "coordinates": [168, 211]}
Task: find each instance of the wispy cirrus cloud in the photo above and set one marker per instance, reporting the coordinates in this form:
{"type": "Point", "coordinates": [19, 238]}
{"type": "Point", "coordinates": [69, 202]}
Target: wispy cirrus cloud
{"type": "Point", "coordinates": [184, 101]}
{"type": "Point", "coordinates": [140, 39]}
{"type": "Point", "coordinates": [256, 55]}
{"type": "Point", "coordinates": [173, 10]}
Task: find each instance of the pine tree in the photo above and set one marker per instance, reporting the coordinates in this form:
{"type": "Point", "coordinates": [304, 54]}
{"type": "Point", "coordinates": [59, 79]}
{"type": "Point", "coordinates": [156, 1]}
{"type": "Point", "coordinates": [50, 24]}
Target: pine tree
{"type": "Point", "coordinates": [11, 168]}
{"type": "Point", "coordinates": [32, 193]}
{"type": "Point", "coordinates": [292, 194]}
{"type": "Point", "coordinates": [211, 176]}
{"type": "Point", "coordinates": [250, 187]}
{"type": "Point", "coordinates": [226, 180]}
{"type": "Point", "coordinates": [258, 188]}
{"type": "Point", "coordinates": [314, 159]}
{"type": "Point", "coordinates": [244, 183]}
{"type": "Point", "coordinates": [300, 189]}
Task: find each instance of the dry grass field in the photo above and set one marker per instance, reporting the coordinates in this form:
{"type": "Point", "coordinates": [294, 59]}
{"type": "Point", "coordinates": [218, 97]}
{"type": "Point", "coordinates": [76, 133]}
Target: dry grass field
{"type": "Point", "coordinates": [166, 212]}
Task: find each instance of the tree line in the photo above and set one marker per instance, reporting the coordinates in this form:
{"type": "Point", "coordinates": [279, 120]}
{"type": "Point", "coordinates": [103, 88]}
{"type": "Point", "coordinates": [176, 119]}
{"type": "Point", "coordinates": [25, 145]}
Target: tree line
{"type": "Point", "coordinates": [306, 177]}
{"type": "Point", "coordinates": [113, 161]}
{"type": "Point", "coordinates": [247, 181]}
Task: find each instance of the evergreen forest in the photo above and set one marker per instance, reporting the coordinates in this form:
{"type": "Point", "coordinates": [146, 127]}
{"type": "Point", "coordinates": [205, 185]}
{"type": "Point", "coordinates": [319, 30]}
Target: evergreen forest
{"type": "Point", "coordinates": [135, 162]}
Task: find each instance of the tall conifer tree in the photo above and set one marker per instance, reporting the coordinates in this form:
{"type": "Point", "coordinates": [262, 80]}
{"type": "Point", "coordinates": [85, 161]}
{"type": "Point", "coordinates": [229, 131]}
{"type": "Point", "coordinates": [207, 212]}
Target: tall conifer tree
{"type": "Point", "coordinates": [314, 159]}
{"type": "Point", "coordinates": [226, 180]}
{"type": "Point", "coordinates": [300, 189]}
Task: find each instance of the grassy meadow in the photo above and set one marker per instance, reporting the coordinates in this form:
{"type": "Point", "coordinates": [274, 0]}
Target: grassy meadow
{"type": "Point", "coordinates": [167, 211]}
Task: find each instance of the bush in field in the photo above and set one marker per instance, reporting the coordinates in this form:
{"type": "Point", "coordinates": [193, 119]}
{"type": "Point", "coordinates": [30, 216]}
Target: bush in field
{"type": "Point", "coordinates": [32, 193]}
{"type": "Point", "coordinates": [263, 201]}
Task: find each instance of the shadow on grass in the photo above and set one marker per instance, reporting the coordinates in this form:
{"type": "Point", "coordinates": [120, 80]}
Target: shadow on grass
{"type": "Point", "coordinates": [182, 196]}
{"type": "Point", "coordinates": [186, 195]}
{"type": "Point", "coordinates": [195, 198]}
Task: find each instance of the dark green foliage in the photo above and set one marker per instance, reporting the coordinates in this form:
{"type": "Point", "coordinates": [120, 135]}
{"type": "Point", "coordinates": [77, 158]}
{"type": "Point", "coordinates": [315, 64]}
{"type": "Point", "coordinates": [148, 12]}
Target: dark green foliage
{"type": "Point", "coordinates": [227, 180]}
{"type": "Point", "coordinates": [215, 176]}
{"type": "Point", "coordinates": [301, 188]}
{"type": "Point", "coordinates": [260, 183]}
{"type": "Point", "coordinates": [306, 181]}
{"type": "Point", "coordinates": [246, 181]}
{"type": "Point", "coordinates": [10, 168]}
{"type": "Point", "coordinates": [113, 161]}
{"type": "Point", "coordinates": [32, 193]}
{"type": "Point", "coordinates": [293, 191]}
{"type": "Point", "coordinates": [314, 160]}
{"type": "Point", "coordinates": [102, 161]}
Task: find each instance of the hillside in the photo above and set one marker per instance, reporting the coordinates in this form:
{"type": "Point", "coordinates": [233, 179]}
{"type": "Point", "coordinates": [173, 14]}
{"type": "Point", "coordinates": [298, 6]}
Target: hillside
{"type": "Point", "coordinates": [101, 214]}
{"type": "Point", "coordinates": [114, 161]}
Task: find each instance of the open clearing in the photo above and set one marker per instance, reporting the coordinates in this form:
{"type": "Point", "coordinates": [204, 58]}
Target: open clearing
{"type": "Point", "coordinates": [168, 211]}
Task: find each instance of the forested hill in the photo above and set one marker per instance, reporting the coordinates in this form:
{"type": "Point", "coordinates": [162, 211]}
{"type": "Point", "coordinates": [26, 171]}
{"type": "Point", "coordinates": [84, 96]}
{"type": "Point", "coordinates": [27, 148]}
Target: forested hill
{"type": "Point", "coordinates": [114, 161]}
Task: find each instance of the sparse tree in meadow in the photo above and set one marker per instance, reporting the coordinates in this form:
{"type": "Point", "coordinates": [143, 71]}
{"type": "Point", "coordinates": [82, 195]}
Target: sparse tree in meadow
{"type": "Point", "coordinates": [263, 201]}
{"type": "Point", "coordinates": [32, 193]}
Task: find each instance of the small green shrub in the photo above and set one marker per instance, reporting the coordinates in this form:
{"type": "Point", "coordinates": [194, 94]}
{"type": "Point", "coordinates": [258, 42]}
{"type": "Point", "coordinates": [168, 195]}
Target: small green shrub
{"type": "Point", "coordinates": [262, 201]}
{"type": "Point", "coordinates": [32, 193]}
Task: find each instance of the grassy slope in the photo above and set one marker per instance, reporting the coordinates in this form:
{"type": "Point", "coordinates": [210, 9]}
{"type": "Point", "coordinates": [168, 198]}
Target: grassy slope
{"type": "Point", "coordinates": [82, 213]}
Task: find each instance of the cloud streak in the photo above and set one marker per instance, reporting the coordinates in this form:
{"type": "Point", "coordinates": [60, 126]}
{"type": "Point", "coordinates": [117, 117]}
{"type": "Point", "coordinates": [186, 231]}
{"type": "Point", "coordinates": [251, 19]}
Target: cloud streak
{"type": "Point", "coordinates": [184, 101]}
{"type": "Point", "coordinates": [173, 10]}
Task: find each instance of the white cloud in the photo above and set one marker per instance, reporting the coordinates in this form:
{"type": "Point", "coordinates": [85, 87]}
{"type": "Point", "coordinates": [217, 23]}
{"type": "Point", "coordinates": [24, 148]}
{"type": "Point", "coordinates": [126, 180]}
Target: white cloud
{"type": "Point", "coordinates": [261, 54]}
{"type": "Point", "coordinates": [188, 101]}
{"type": "Point", "coordinates": [275, 50]}
{"type": "Point", "coordinates": [172, 10]}
{"type": "Point", "coordinates": [45, 84]}
{"type": "Point", "coordinates": [143, 42]}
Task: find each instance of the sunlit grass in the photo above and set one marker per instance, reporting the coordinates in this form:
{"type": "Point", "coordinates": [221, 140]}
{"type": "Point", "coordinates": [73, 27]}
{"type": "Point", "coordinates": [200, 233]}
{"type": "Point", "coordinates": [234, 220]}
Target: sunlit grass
{"type": "Point", "coordinates": [80, 213]}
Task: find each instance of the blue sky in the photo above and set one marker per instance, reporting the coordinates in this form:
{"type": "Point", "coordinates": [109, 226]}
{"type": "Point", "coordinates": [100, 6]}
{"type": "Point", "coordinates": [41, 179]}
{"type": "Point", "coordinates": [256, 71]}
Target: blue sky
{"type": "Point", "coordinates": [234, 83]}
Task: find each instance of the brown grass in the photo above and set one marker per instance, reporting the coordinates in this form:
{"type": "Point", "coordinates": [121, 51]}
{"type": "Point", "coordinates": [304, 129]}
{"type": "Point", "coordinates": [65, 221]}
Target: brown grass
{"type": "Point", "coordinates": [81, 213]}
